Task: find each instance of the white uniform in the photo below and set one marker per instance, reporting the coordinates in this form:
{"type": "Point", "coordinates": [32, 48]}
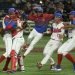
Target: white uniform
{"type": "Point", "coordinates": [8, 44]}
{"type": "Point", "coordinates": [18, 39]}
{"type": "Point", "coordinates": [69, 44]}
{"type": "Point", "coordinates": [7, 40]}
{"type": "Point", "coordinates": [36, 36]}
{"type": "Point", "coordinates": [13, 43]}
{"type": "Point", "coordinates": [54, 43]}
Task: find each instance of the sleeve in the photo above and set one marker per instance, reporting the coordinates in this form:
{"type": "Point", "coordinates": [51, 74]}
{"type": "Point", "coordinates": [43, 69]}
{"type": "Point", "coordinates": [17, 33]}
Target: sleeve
{"type": "Point", "coordinates": [9, 24]}
{"type": "Point", "coordinates": [3, 23]}
{"type": "Point", "coordinates": [50, 16]}
{"type": "Point", "coordinates": [6, 20]}
{"type": "Point", "coordinates": [32, 17]}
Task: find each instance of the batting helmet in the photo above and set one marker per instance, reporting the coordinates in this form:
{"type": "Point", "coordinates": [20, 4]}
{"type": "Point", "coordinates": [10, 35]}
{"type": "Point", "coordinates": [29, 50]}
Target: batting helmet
{"type": "Point", "coordinates": [11, 10]}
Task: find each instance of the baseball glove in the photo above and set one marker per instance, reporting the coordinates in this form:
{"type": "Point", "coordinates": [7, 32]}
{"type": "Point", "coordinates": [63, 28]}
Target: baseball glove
{"type": "Point", "coordinates": [24, 25]}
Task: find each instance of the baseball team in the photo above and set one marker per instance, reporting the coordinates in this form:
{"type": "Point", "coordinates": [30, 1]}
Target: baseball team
{"type": "Point", "coordinates": [12, 32]}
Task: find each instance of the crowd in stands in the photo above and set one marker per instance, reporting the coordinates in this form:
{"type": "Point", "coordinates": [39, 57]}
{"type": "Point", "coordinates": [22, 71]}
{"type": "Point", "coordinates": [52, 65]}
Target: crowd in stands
{"type": "Point", "coordinates": [49, 6]}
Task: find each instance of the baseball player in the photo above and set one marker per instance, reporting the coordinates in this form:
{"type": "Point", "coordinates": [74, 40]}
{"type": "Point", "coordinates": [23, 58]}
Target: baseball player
{"type": "Point", "coordinates": [8, 25]}
{"type": "Point", "coordinates": [56, 39]}
{"type": "Point", "coordinates": [68, 45]}
{"type": "Point", "coordinates": [18, 41]}
{"type": "Point", "coordinates": [7, 37]}
{"type": "Point", "coordinates": [41, 22]}
{"type": "Point", "coordinates": [13, 34]}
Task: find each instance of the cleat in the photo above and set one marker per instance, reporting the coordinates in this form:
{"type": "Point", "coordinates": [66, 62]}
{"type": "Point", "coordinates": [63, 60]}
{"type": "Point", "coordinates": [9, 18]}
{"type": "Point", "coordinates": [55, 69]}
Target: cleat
{"type": "Point", "coordinates": [39, 65]}
{"type": "Point", "coordinates": [58, 68]}
{"type": "Point", "coordinates": [5, 69]}
{"type": "Point", "coordinates": [21, 70]}
{"type": "Point", "coordinates": [52, 67]}
{"type": "Point", "coordinates": [11, 71]}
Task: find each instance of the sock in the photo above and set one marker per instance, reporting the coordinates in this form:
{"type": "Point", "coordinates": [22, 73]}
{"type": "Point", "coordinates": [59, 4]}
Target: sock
{"type": "Point", "coordinates": [20, 62]}
{"type": "Point", "coordinates": [70, 58]}
{"type": "Point", "coordinates": [59, 58]}
{"type": "Point", "coordinates": [2, 58]}
{"type": "Point", "coordinates": [7, 63]}
{"type": "Point", "coordinates": [13, 63]}
{"type": "Point", "coordinates": [13, 60]}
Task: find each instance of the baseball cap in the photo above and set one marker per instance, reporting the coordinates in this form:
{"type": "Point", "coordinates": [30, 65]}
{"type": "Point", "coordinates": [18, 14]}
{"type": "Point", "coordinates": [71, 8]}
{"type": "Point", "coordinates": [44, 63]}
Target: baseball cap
{"type": "Point", "coordinates": [58, 15]}
{"type": "Point", "coordinates": [72, 13]}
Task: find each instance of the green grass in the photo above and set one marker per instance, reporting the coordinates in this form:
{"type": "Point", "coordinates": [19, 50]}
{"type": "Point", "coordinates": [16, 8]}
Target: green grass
{"type": "Point", "coordinates": [41, 43]}
{"type": "Point", "coordinates": [31, 69]}
{"type": "Point", "coordinates": [34, 57]}
{"type": "Point", "coordinates": [1, 42]}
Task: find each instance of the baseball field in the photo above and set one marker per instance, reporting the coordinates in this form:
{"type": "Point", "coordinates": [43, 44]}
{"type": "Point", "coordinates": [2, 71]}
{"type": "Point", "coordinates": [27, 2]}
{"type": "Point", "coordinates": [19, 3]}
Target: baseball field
{"type": "Point", "coordinates": [35, 56]}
